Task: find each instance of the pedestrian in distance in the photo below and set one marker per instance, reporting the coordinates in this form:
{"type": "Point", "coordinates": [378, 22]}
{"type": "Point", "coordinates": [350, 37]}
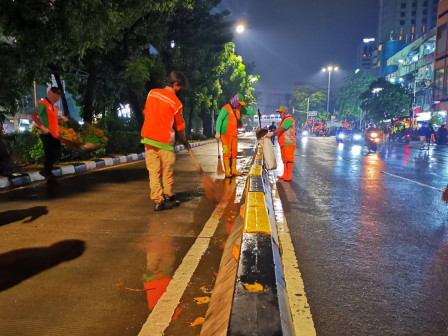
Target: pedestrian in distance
{"type": "Point", "coordinates": [272, 128]}
{"type": "Point", "coordinates": [47, 119]}
{"type": "Point", "coordinates": [423, 133]}
{"type": "Point", "coordinates": [163, 119]}
{"type": "Point", "coordinates": [429, 134]}
{"type": "Point", "coordinates": [441, 135]}
{"type": "Point", "coordinates": [286, 133]}
{"type": "Point", "coordinates": [227, 124]}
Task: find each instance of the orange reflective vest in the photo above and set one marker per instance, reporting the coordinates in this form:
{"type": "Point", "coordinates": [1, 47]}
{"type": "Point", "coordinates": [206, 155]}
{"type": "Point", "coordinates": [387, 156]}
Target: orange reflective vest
{"type": "Point", "coordinates": [227, 122]}
{"type": "Point", "coordinates": [51, 120]}
{"type": "Point", "coordinates": [289, 136]}
{"type": "Point", "coordinates": [163, 113]}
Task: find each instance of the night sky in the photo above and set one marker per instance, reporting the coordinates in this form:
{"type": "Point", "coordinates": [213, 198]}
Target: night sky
{"type": "Point", "coordinates": [291, 40]}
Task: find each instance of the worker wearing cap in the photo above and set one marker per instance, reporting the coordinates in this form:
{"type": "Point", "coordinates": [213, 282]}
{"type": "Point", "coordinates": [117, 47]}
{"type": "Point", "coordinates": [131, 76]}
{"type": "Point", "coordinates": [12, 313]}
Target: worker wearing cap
{"type": "Point", "coordinates": [286, 133]}
{"type": "Point", "coordinates": [46, 118]}
{"type": "Point", "coordinates": [227, 124]}
{"type": "Point", "coordinates": [163, 119]}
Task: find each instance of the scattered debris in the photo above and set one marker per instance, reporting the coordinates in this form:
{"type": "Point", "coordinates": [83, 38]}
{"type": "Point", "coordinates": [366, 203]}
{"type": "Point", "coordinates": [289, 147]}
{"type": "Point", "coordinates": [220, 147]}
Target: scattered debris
{"type": "Point", "coordinates": [138, 290]}
{"type": "Point", "coordinates": [236, 252]}
{"type": "Point", "coordinates": [177, 313]}
{"type": "Point", "coordinates": [206, 290]}
{"type": "Point", "coordinates": [202, 300]}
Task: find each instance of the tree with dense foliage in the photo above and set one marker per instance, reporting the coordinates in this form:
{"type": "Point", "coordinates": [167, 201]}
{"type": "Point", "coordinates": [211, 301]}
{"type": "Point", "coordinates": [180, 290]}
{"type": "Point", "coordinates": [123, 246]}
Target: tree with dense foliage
{"type": "Point", "coordinates": [299, 101]}
{"type": "Point", "coordinates": [349, 96]}
{"type": "Point", "coordinates": [384, 100]}
{"type": "Point", "coordinates": [101, 50]}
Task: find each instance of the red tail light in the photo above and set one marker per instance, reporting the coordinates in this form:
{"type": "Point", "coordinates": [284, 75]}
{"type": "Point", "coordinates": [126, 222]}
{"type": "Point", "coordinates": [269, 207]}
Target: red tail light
{"type": "Point", "coordinates": [408, 135]}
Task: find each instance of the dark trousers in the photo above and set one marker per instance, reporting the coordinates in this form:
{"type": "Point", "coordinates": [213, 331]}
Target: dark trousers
{"type": "Point", "coordinates": [52, 149]}
{"type": "Point", "coordinates": [273, 140]}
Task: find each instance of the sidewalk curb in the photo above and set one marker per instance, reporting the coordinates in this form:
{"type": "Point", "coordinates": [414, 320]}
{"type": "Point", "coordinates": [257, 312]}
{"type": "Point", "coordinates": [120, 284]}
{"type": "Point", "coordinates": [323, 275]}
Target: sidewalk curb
{"type": "Point", "coordinates": [28, 178]}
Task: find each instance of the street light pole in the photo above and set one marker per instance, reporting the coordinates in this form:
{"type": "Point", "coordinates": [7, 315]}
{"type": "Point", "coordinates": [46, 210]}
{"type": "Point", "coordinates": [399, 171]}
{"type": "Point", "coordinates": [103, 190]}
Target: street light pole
{"type": "Point", "coordinates": [307, 109]}
{"type": "Point", "coordinates": [329, 69]}
{"type": "Point", "coordinates": [328, 96]}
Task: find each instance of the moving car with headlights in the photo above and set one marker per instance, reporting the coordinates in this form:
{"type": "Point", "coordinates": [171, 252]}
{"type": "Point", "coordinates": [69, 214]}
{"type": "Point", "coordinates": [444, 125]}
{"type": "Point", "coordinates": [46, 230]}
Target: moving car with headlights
{"type": "Point", "coordinates": [357, 138]}
{"type": "Point", "coordinates": [303, 132]}
{"type": "Point", "coordinates": [343, 135]}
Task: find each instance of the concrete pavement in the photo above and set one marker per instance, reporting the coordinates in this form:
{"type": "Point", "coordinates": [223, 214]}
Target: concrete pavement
{"type": "Point", "coordinates": [90, 257]}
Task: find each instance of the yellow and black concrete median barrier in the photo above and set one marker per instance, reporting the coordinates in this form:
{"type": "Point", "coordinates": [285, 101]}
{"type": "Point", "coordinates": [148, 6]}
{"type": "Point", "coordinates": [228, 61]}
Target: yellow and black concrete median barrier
{"type": "Point", "coordinates": [250, 293]}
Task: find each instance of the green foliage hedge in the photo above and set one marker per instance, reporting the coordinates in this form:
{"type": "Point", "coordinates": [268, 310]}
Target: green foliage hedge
{"type": "Point", "coordinates": [26, 148]}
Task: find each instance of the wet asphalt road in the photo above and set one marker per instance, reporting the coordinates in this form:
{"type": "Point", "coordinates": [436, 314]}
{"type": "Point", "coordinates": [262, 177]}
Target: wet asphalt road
{"type": "Point", "coordinates": [91, 257]}
{"type": "Point", "coordinates": [372, 247]}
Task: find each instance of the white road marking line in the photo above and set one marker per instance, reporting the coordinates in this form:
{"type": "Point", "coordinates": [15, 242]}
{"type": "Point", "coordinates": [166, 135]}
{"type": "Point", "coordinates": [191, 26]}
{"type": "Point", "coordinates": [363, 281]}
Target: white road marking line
{"type": "Point", "coordinates": [300, 309]}
{"type": "Point", "coordinates": [406, 179]}
{"type": "Point", "coordinates": [161, 315]}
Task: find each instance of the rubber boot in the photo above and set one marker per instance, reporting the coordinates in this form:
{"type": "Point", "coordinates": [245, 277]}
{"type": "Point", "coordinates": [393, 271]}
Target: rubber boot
{"type": "Point", "coordinates": [227, 167]}
{"type": "Point", "coordinates": [234, 171]}
{"type": "Point", "coordinates": [289, 168]}
{"type": "Point", "coordinates": [285, 169]}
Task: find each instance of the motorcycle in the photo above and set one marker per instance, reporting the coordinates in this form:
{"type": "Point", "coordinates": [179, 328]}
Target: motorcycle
{"type": "Point", "coordinates": [404, 138]}
{"type": "Point", "coordinates": [372, 141]}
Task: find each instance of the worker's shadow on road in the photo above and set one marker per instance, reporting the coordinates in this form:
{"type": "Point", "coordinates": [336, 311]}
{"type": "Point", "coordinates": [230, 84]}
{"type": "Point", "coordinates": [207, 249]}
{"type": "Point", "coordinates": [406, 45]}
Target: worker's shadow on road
{"type": "Point", "coordinates": [19, 265]}
{"type": "Point", "coordinates": [32, 214]}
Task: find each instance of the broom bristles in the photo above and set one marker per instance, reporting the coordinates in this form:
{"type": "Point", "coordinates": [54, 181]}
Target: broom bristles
{"type": "Point", "coordinates": [211, 192]}
{"type": "Point", "coordinates": [219, 168]}
{"type": "Point", "coordinates": [445, 195]}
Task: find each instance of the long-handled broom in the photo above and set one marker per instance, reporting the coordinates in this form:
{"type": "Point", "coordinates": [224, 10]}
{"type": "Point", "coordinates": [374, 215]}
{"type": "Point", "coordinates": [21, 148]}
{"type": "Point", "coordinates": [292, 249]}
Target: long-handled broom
{"type": "Point", "coordinates": [219, 168]}
{"type": "Point", "coordinates": [78, 146]}
{"type": "Point", "coordinates": [207, 182]}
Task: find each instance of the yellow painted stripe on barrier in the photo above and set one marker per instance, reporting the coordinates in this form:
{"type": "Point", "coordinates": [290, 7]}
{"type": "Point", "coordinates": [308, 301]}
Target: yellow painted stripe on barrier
{"type": "Point", "coordinates": [255, 170]}
{"type": "Point", "coordinates": [256, 219]}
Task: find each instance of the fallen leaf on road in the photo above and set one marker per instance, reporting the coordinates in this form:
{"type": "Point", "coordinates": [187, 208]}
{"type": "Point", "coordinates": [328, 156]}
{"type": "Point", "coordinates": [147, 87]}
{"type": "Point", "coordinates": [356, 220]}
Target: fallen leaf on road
{"type": "Point", "coordinates": [202, 299]}
{"type": "Point", "coordinates": [198, 321]}
{"type": "Point", "coordinates": [254, 288]}
{"type": "Point", "coordinates": [119, 284]}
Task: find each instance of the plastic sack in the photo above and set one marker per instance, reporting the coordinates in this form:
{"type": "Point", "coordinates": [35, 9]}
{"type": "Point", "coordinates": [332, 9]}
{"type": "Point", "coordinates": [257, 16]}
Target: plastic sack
{"type": "Point", "coordinates": [269, 156]}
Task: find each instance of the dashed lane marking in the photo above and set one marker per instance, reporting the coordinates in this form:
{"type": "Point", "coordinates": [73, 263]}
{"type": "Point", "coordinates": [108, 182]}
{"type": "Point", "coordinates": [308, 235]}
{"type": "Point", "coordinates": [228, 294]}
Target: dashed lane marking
{"type": "Point", "coordinates": [409, 180]}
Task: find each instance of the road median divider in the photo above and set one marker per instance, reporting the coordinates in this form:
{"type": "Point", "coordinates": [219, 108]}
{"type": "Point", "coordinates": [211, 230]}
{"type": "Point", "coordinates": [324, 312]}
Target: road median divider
{"type": "Point", "coordinates": [250, 295]}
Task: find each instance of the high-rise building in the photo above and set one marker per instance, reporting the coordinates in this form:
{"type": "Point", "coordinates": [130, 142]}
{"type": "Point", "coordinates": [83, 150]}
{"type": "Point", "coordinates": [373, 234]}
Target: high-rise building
{"type": "Point", "coordinates": [402, 22]}
{"type": "Point", "coordinates": [406, 19]}
{"type": "Point", "coordinates": [440, 83]}
{"type": "Point", "coordinates": [366, 54]}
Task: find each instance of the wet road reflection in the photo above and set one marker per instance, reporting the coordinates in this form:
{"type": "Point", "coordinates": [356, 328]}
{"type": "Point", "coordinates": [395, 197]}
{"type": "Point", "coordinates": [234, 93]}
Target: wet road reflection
{"type": "Point", "coordinates": [372, 247]}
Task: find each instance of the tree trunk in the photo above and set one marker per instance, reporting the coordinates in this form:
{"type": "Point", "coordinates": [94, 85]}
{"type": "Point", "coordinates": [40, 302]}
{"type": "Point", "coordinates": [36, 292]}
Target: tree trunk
{"type": "Point", "coordinates": [207, 124]}
{"type": "Point", "coordinates": [64, 99]}
{"type": "Point", "coordinates": [6, 164]}
{"type": "Point", "coordinates": [136, 107]}
{"type": "Point", "coordinates": [89, 94]}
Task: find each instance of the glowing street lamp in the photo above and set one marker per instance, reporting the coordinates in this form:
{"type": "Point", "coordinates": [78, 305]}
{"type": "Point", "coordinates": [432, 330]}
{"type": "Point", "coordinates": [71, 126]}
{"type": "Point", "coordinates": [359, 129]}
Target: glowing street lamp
{"type": "Point", "coordinates": [240, 28]}
{"type": "Point", "coordinates": [329, 69]}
